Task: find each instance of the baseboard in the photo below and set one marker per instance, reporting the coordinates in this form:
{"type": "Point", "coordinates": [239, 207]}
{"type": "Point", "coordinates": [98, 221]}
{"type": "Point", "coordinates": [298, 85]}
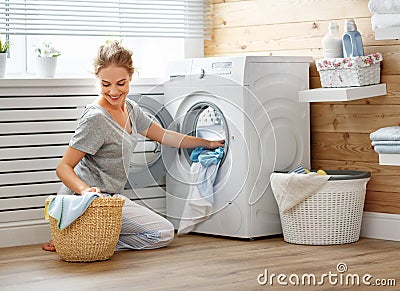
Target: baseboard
{"type": "Point", "coordinates": [24, 233]}
{"type": "Point", "coordinates": [374, 225]}
{"type": "Point", "coordinates": [381, 226]}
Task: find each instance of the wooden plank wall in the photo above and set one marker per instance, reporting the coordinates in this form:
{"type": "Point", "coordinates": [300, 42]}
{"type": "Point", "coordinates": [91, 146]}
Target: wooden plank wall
{"type": "Point", "coordinates": [339, 130]}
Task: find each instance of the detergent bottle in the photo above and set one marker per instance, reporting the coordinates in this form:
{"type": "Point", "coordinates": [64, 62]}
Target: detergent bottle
{"type": "Point", "coordinates": [352, 41]}
{"type": "Point", "coordinates": [332, 42]}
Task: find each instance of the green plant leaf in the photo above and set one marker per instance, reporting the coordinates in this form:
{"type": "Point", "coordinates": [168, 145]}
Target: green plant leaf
{"type": "Point", "coordinates": [4, 46]}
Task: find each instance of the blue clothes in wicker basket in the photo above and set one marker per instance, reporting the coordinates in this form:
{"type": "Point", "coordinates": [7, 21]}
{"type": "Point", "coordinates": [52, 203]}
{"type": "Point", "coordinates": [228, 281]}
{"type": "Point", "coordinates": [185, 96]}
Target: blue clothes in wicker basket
{"type": "Point", "coordinates": [67, 208]}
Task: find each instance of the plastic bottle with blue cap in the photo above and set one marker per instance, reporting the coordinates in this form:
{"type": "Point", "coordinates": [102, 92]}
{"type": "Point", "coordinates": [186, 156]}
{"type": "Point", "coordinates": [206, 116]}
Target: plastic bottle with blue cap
{"type": "Point", "coordinates": [352, 41]}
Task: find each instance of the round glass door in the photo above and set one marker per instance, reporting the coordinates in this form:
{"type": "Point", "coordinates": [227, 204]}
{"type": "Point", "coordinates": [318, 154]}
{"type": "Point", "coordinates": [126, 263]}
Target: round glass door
{"type": "Point", "coordinates": [205, 120]}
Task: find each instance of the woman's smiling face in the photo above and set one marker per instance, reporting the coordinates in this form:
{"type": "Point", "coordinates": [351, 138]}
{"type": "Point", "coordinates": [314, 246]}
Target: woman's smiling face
{"type": "Point", "coordinates": [114, 83]}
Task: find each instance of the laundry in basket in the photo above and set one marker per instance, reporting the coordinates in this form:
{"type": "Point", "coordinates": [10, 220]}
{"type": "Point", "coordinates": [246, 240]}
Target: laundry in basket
{"type": "Point", "coordinates": [93, 235]}
{"type": "Point", "coordinates": [67, 208]}
{"type": "Point", "coordinates": [290, 189]}
{"type": "Point", "coordinates": [331, 215]}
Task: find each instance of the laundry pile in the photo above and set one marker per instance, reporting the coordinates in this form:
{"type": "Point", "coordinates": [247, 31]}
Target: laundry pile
{"type": "Point", "coordinates": [200, 201]}
{"type": "Point", "coordinates": [67, 208]}
{"type": "Point", "coordinates": [292, 188]}
{"type": "Point", "coordinates": [386, 13]}
{"type": "Point", "coordinates": [300, 170]}
{"type": "Point", "coordinates": [386, 140]}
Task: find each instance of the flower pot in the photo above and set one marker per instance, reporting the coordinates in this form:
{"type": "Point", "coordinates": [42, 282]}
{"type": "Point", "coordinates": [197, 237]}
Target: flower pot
{"type": "Point", "coordinates": [3, 60]}
{"type": "Point", "coordinates": [46, 66]}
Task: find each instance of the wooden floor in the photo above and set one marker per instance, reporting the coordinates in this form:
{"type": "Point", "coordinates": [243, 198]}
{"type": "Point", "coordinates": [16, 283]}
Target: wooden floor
{"type": "Point", "coordinates": [197, 262]}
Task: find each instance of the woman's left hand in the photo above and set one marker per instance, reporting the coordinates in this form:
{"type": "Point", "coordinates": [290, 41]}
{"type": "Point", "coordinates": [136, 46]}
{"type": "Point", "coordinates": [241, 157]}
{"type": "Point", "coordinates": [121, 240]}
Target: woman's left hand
{"type": "Point", "coordinates": [213, 144]}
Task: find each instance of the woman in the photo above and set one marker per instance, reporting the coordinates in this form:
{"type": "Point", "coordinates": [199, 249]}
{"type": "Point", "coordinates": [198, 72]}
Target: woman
{"type": "Point", "coordinates": [98, 154]}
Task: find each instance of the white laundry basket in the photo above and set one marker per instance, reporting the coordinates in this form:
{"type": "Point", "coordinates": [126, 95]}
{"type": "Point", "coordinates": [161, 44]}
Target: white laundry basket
{"type": "Point", "coordinates": [332, 215]}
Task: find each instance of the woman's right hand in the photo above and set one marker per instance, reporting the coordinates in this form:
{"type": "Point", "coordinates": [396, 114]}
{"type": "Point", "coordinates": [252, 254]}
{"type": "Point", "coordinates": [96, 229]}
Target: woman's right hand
{"type": "Point", "coordinates": [213, 144]}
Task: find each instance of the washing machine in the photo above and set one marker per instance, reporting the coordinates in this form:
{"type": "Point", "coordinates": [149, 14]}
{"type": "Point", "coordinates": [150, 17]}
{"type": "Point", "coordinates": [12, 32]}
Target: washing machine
{"type": "Point", "coordinates": [146, 165]}
{"type": "Point", "coordinates": [252, 103]}
{"type": "Point", "coordinates": [147, 170]}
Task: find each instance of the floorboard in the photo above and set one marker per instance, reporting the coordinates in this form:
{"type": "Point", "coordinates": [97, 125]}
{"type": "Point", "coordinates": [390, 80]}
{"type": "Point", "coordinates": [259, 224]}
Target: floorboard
{"type": "Point", "coordinates": [199, 262]}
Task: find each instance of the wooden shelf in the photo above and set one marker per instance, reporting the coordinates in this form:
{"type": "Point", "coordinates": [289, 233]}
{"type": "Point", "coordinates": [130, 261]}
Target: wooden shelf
{"type": "Point", "coordinates": [387, 33]}
{"type": "Point", "coordinates": [389, 159]}
{"type": "Point", "coordinates": [341, 94]}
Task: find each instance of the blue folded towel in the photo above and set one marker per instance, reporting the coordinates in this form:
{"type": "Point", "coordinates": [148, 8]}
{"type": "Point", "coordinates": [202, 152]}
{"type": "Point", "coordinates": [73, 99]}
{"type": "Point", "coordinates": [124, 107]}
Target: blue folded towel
{"type": "Point", "coordinates": [386, 133]}
{"type": "Point", "coordinates": [388, 149]}
{"type": "Point", "coordinates": [385, 142]}
{"type": "Point", "coordinates": [67, 208]}
{"type": "Point", "coordinates": [207, 157]}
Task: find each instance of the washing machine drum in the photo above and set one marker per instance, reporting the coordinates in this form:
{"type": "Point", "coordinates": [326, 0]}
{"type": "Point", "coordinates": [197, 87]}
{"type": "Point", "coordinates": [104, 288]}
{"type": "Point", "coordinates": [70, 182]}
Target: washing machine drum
{"type": "Point", "coordinates": [147, 165]}
{"type": "Point", "coordinates": [205, 120]}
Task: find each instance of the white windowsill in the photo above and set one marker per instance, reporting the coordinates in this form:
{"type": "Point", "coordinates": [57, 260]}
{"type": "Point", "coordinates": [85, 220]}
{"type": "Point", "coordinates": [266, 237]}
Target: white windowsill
{"type": "Point", "coordinates": [32, 80]}
{"type": "Point", "coordinates": [26, 85]}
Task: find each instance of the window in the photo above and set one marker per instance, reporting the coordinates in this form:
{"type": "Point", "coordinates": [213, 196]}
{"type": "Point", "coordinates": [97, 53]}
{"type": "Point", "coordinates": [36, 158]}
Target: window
{"type": "Point", "coordinates": [157, 31]}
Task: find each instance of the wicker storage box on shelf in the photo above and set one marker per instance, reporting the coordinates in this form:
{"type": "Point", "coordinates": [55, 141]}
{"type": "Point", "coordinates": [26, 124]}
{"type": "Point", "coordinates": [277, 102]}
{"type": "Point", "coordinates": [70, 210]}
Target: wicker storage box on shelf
{"type": "Point", "coordinates": [333, 215]}
{"type": "Point", "coordinates": [92, 236]}
{"type": "Point", "coordinates": [349, 72]}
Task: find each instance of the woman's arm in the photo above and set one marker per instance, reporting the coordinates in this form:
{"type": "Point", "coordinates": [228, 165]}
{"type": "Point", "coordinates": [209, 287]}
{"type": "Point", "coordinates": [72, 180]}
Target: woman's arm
{"type": "Point", "coordinates": [178, 140]}
{"type": "Point", "coordinates": [65, 171]}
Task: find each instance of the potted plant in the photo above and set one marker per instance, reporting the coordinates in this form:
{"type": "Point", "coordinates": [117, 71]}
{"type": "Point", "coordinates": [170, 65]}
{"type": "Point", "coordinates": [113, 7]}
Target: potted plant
{"type": "Point", "coordinates": [46, 60]}
{"type": "Point", "coordinates": [4, 46]}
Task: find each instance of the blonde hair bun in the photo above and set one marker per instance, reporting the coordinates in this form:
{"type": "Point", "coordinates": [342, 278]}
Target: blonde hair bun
{"type": "Point", "coordinates": [112, 53]}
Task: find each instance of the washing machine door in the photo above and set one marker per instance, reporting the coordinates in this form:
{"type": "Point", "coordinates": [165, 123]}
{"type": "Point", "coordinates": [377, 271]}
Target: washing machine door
{"type": "Point", "coordinates": [147, 165]}
{"type": "Point", "coordinates": [205, 120]}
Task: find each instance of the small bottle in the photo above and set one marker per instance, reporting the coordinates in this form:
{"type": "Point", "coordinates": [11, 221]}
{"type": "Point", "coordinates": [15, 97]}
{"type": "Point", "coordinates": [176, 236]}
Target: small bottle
{"type": "Point", "coordinates": [352, 41]}
{"type": "Point", "coordinates": [332, 42]}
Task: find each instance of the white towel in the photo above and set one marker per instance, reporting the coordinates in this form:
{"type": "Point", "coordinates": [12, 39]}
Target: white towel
{"type": "Point", "coordinates": [292, 189]}
{"type": "Point", "coordinates": [385, 20]}
{"type": "Point", "coordinates": [200, 201]}
{"type": "Point", "coordinates": [384, 6]}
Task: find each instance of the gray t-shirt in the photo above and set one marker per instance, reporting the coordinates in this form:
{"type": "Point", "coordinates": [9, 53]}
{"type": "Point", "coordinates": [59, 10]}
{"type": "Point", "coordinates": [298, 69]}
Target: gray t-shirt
{"type": "Point", "coordinates": [108, 147]}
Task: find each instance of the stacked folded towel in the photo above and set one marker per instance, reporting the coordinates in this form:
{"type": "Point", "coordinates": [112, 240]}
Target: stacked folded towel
{"type": "Point", "coordinates": [386, 140]}
{"type": "Point", "coordinates": [386, 13]}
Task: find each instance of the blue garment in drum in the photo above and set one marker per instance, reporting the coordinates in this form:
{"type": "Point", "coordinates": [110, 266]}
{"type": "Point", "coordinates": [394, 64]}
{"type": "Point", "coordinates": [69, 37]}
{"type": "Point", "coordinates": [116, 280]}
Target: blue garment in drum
{"type": "Point", "coordinates": [207, 157]}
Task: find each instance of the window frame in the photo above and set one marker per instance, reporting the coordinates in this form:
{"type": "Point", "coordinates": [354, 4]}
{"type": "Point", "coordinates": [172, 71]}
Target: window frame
{"type": "Point", "coordinates": [21, 47]}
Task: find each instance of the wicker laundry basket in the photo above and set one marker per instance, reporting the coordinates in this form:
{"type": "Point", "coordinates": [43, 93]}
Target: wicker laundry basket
{"type": "Point", "coordinates": [349, 72]}
{"type": "Point", "coordinates": [333, 215]}
{"type": "Point", "coordinates": [92, 236]}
